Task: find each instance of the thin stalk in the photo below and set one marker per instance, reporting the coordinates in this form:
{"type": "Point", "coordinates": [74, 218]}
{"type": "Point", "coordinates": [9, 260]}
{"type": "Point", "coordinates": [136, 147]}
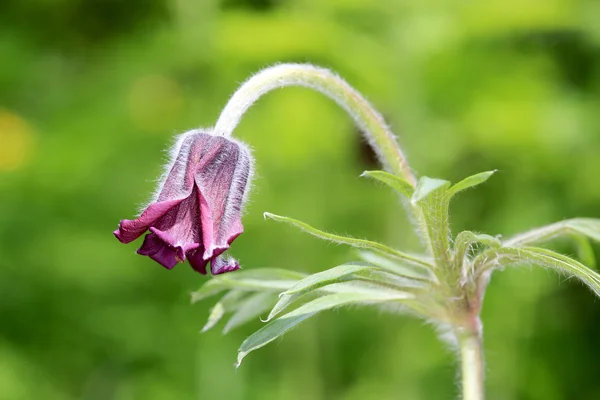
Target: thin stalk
{"type": "Point", "coordinates": [323, 80]}
{"type": "Point", "coordinates": [471, 351]}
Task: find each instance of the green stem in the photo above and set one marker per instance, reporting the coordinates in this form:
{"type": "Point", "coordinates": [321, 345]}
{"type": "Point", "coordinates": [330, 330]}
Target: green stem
{"type": "Point", "coordinates": [471, 351]}
{"type": "Point", "coordinates": [323, 80]}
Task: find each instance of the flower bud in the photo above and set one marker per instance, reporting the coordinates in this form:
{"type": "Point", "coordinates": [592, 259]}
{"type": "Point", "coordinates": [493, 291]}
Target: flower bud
{"type": "Point", "coordinates": [197, 211]}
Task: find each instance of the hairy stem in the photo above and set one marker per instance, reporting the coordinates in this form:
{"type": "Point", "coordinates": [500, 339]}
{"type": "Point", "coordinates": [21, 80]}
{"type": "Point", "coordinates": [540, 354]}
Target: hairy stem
{"type": "Point", "coordinates": [471, 351]}
{"type": "Point", "coordinates": [323, 80]}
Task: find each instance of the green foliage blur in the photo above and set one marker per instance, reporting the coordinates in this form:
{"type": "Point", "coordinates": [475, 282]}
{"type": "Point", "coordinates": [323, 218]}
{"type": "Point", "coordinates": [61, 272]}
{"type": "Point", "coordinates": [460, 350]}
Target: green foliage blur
{"type": "Point", "coordinates": [92, 92]}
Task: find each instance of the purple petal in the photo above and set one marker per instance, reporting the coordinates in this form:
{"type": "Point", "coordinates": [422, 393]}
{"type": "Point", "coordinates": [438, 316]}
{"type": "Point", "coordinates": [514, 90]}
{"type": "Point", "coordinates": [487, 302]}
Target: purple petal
{"type": "Point", "coordinates": [159, 251]}
{"type": "Point", "coordinates": [220, 265]}
{"type": "Point", "coordinates": [197, 262]}
{"type": "Point", "coordinates": [129, 230]}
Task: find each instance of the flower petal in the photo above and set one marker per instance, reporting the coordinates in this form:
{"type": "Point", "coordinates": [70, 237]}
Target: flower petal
{"type": "Point", "coordinates": [155, 248]}
{"type": "Point", "coordinates": [129, 230]}
{"type": "Point", "coordinates": [197, 262]}
{"type": "Point", "coordinates": [220, 265]}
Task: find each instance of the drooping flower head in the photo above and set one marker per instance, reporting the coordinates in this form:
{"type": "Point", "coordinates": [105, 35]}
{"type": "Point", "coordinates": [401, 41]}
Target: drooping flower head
{"type": "Point", "coordinates": [196, 212]}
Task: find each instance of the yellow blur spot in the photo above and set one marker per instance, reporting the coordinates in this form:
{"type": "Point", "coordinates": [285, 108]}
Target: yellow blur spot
{"type": "Point", "coordinates": [16, 141]}
{"type": "Point", "coordinates": [155, 103]}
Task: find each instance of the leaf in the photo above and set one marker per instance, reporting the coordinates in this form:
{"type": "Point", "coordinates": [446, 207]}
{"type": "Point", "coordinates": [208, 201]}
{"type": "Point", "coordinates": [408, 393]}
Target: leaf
{"type": "Point", "coordinates": [466, 239]}
{"type": "Point", "coordinates": [551, 259]}
{"type": "Point", "coordinates": [431, 196]}
{"type": "Point", "coordinates": [278, 327]}
{"type": "Point", "coordinates": [341, 273]}
{"type": "Point", "coordinates": [471, 181]}
{"type": "Point", "coordinates": [250, 309]}
{"type": "Point", "coordinates": [227, 303]}
{"type": "Point", "coordinates": [360, 243]}
{"type": "Point", "coordinates": [589, 227]}
{"type": "Point", "coordinates": [585, 252]}
{"type": "Point", "coordinates": [271, 279]}
{"type": "Point", "coordinates": [406, 270]}
{"type": "Point", "coordinates": [393, 181]}
{"type": "Point", "coordinates": [426, 186]}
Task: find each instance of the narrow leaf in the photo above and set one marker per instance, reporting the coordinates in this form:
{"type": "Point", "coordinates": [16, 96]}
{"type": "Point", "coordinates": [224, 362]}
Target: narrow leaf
{"type": "Point", "coordinates": [278, 327]}
{"type": "Point", "coordinates": [585, 252]}
{"type": "Point", "coordinates": [470, 181]}
{"type": "Point", "coordinates": [228, 303]}
{"type": "Point", "coordinates": [372, 277]}
{"type": "Point", "coordinates": [431, 196]}
{"type": "Point", "coordinates": [404, 269]}
{"type": "Point", "coordinates": [251, 309]}
{"type": "Point", "coordinates": [360, 243]}
{"type": "Point", "coordinates": [466, 239]}
{"type": "Point", "coordinates": [395, 182]}
{"type": "Point", "coordinates": [326, 277]}
{"type": "Point", "coordinates": [426, 186]}
{"type": "Point", "coordinates": [589, 227]}
{"type": "Point", "coordinates": [271, 279]}
{"type": "Point", "coordinates": [550, 259]}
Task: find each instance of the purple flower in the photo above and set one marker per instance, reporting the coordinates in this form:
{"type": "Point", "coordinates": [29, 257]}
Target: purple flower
{"type": "Point", "coordinates": [196, 213]}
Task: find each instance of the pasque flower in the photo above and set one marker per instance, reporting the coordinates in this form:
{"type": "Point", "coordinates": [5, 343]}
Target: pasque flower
{"type": "Point", "coordinates": [196, 213]}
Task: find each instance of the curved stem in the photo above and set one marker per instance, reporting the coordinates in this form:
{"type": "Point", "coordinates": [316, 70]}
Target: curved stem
{"type": "Point", "coordinates": [366, 117]}
{"type": "Point", "coordinates": [471, 351]}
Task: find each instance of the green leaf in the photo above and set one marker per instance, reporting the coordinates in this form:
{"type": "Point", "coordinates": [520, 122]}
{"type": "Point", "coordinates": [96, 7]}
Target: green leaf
{"type": "Point", "coordinates": [270, 279]}
{"type": "Point", "coordinates": [470, 181]}
{"type": "Point", "coordinates": [341, 273]}
{"type": "Point", "coordinates": [431, 196]}
{"type": "Point", "coordinates": [404, 269]}
{"type": "Point", "coordinates": [550, 259]}
{"type": "Point", "coordinates": [227, 303]}
{"type": "Point", "coordinates": [585, 252]}
{"type": "Point", "coordinates": [278, 327]}
{"type": "Point", "coordinates": [466, 239]}
{"type": "Point", "coordinates": [251, 309]}
{"type": "Point", "coordinates": [589, 227]}
{"type": "Point", "coordinates": [360, 243]}
{"type": "Point", "coordinates": [426, 186]}
{"type": "Point", "coordinates": [393, 181]}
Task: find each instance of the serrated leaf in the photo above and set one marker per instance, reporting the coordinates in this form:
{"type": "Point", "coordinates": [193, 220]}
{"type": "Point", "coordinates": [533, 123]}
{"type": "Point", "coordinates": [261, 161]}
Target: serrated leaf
{"type": "Point", "coordinates": [395, 182]}
{"type": "Point", "coordinates": [271, 279]}
{"type": "Point", "coordinates": [466, 239]}
{"type": "Point", "coordinates": [251, 309]}
{"type": "Point", "coordinates": [589, 227]}
{"type": "Point", "coordinates": [359, 243]}
{"type": "Point", "coordinates": [426, 186]}
{"type": "Point", "coordinates": [470, 181]}
{"type": "Point", "coordinates": [278, 327]}
{"type": "Point", "coordinates": [551, 259]}
{"type": "Point", "coordinates": [227, 303]}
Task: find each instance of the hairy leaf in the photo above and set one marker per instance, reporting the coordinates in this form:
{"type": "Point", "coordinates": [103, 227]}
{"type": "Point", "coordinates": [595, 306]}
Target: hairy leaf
{"type": "Point", "coordinates": [227, 303]}
{"type": "Point", "coordinates": [466, 239]}
{"type": "Point", "coordinates": [401, 269]}
{"type": "Point", "coordinates": [270, 279]}
{"type": "Point", "coordinates": [360, 243]}
{"type": "Point", "coordinates": [250, 309]}
{"type": "Point", "coordinates": [426, 187]}
{"type": "Point", "coordinates": [588, 227]}
{"type": "Point", "coordinates": [395, 182]}
{"type": "Point", "coordinates": [342, 273]}
{"type": "Point", "coordinates": [431, 195]}
{"type": "Point", "coordinates": [551, 259]}
{"type": "Point", "coordinates": [470, 181]}
{"type": "Point", "coordinates": [278, 327]}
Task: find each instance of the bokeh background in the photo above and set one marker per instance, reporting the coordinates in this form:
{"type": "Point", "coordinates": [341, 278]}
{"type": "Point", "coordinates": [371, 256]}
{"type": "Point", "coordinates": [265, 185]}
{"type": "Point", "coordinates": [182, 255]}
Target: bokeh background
{"type": "Point", "coordinates": [92, 92]}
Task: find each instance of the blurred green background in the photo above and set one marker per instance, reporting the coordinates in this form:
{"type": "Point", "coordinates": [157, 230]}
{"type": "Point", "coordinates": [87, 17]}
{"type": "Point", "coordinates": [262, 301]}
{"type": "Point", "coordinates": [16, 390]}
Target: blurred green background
{"type": "Point", "coordinates": [91, 93]}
